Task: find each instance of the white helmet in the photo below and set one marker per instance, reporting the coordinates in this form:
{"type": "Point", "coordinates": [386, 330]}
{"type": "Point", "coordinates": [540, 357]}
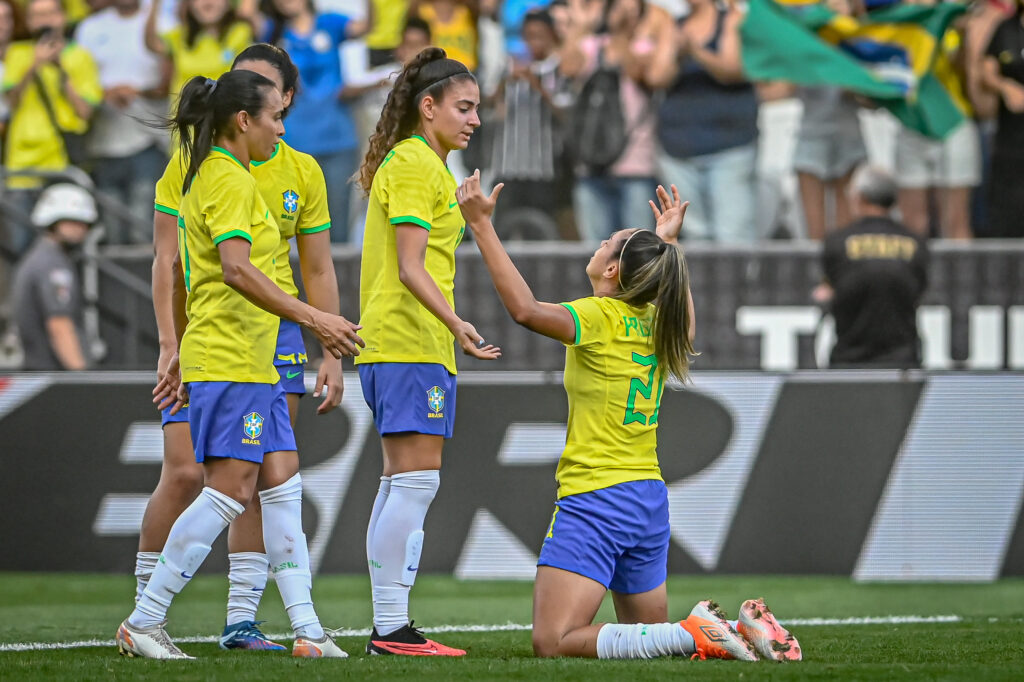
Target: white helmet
{"type": "Point", "coordinates": [64, 201]}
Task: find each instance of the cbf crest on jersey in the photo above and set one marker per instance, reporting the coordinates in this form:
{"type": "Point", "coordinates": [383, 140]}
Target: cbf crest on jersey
{"type": "Point", "coordinates": [252, 427]}
{"type": "Point", "coordinates": [291, 201]}
{"type": "Point", "coordinates": [435, 401]}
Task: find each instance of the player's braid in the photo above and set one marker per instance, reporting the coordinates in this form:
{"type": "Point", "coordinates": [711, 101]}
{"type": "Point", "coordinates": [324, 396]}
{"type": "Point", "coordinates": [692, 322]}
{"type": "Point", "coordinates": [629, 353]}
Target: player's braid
{"type": "Point", "coordinates": [398, 118]}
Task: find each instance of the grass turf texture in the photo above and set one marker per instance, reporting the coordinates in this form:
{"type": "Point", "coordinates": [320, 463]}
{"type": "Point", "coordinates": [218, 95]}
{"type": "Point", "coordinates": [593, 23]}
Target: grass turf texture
{"type": "Point", "coordinates": [988, 644]}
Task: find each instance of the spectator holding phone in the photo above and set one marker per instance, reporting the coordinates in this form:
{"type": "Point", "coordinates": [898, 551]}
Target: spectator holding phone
{"type": "Point", "coordinates": [52, 87]}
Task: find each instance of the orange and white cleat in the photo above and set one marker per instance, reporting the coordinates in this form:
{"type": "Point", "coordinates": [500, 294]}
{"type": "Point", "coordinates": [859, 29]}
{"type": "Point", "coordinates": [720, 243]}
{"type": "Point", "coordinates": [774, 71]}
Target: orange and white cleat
{"type": "Point", "coordinates": [408, 641]}
{"type": "Point", "coordinates": [713, 636]}
{"type": "Point", "coordinates": [758, 626]}
{"type": "Point", "coordinates": [317, 648]}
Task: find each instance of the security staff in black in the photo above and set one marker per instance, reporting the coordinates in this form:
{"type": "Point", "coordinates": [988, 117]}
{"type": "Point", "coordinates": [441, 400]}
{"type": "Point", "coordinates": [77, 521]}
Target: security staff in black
{"type": "Point", "coordinates": [876, 271]}
{"type": "Point", "coordinates": [46, 293]}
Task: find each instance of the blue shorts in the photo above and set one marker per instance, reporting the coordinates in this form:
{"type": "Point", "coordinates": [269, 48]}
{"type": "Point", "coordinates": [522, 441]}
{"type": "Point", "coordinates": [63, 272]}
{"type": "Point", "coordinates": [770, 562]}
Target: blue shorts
{"type": "Point", "coordinates": [409, 397]}
{"type": "Point", "coordinates": [290, 357]}
{"type": "Point", "coordinates": [617, 536]}
{"type": "Point", "coordinates": [167, 418]}
{"type": "Point", "coordinates": [240, 421]}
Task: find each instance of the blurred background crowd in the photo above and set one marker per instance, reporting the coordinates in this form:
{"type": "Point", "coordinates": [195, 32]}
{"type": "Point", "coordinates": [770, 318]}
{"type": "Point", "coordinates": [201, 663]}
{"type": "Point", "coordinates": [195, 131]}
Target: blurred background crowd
{"type": "Point", "coordinates": [759, 111]}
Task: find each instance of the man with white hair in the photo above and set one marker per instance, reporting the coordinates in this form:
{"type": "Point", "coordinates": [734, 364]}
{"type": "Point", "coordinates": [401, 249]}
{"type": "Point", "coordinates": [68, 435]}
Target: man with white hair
{"type": "Point", "coordinates": [875, 273]}
{"type": "Point", "coordinates": [46, 293]}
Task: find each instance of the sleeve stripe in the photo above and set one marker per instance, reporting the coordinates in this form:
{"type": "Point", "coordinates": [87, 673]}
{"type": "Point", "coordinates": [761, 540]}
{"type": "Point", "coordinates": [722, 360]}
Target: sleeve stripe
{"type": "Point", "coordinates": [576, 320]}
{"type": "Point", "coordinates": [232, 234]}
{"type": "Point", "coordinates": [165, 209]}
{"type": "Point", "coordinates": [314, 230]}
{"type": "Point", "coordinates": [410, 219]}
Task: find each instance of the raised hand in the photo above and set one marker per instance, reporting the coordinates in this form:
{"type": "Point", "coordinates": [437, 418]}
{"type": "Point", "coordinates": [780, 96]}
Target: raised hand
{"type": "Point", "coordinates": [668, 214]}
{"type": "Point", "coordinates": [477, 207]}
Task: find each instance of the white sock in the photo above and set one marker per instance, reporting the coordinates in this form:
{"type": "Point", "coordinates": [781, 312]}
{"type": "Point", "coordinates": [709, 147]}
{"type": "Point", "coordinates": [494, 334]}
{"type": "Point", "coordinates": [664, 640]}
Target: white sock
{"type": "Point", "coordinates": [188, 543]}
{"type": "Point", "coordinates": [145, 562]}
{"type": "Point", "coordinates": [642, 640]}
{"type": "Point", "coordinates": [734, 623]}
{"type": "Point", "coordinates": [378, 505]}
{"type": "Point", "coordinates": [396, 545]}
{"type": "Point", "coordinates": [247, 577]}
{"type": "Point", "coordinates": [289, 555]}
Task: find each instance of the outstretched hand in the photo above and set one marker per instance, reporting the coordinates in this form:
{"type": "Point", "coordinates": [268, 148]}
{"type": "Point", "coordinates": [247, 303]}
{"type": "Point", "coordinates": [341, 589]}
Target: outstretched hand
{"type": "Point", "coordinates": [473, 344]}
{"type": "Point", "coordinates": [669, 215]}
{"type": "Point", "coordinates": [477, 207]}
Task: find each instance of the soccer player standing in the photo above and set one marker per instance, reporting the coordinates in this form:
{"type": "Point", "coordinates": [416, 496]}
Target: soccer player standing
{"type": "Point", "coordinates": [610, 528]}
{"type": "Point", "coordinates": [406, 305]}
{"type": "Point", "coordinates": [292, 185]}
{"type": "Point", "coordinates": [238, 414]}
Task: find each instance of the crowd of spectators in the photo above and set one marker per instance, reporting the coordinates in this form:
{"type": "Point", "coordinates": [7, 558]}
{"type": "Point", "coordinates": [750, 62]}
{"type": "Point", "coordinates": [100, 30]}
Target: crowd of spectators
{"type": "Point", "coordinates": [85, 79]}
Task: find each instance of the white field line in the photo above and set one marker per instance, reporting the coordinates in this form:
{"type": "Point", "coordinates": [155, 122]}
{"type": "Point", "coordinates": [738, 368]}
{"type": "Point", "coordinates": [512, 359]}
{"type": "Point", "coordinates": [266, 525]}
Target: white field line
{"type": "Point", "coordinates": [506, 627]}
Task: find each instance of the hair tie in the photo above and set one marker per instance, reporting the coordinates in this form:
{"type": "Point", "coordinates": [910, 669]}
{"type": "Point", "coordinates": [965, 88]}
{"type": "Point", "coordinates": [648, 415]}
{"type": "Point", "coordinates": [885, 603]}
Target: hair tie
{"type": "Point", "coordinates": [623, 252]}
{"type": "Point", "coordinates": [211, 85]}
{"type": "Point", "coordinates": [451, 68]}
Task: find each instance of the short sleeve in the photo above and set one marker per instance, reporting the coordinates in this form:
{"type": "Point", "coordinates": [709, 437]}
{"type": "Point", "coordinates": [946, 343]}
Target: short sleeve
{"type": "Point", "coordinates": [56, 292]}
{"type": "Point", "coordinates": [228, 207]}
{"type": "Point", "coordinates": [168, 187]}
{"type": "Point", "coordinates": [335, 25]}
{"type": "Point", "coordinates": [16, 65]}
{"type": "Point", "coordinates": [315, 216]}
{"type": "Point", "coordinates": [590, 319]}
{"type": "Point", "coordinates": [85, 76]}
{"type": "Point", "coordinates": [411, 188]}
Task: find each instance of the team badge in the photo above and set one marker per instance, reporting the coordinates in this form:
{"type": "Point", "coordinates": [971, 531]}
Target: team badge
{"type": "Point", "coordinates": [252, 425]}
{"type": "Point", "coordinates": [435, 399]}
{"type": "Point", "coordinates": [291, 201]}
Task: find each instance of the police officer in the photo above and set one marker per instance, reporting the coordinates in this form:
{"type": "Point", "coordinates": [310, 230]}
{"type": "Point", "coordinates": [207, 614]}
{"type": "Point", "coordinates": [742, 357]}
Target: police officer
{"type": "Point", "coordinates": [46, 293]}
{"type": "Point", "coordinates": [875, 273]}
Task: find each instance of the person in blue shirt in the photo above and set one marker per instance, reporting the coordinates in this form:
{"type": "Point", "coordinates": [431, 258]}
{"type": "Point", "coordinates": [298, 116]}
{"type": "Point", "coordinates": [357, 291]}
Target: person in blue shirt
{"type": "Point", "coordinates": [320, 122]}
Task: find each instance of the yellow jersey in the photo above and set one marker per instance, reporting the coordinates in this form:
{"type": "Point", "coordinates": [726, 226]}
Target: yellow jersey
{"type": "Point", "coordinates": [388, 20]}
{"type": "Point", "coordinates": [291, 184]}
{"type": "Point", "coordinates": [32, 141]}
{"type": "Point", "coordinates": [456, 36]}
{"type": "Point", "coordinates": [208, 56]}
{"type": "Point", "coordinates": [614, 385]}
{"type": "Point", "coordinates": [412, 186]}
{"type": "Point", "coordinates": [227, 337]}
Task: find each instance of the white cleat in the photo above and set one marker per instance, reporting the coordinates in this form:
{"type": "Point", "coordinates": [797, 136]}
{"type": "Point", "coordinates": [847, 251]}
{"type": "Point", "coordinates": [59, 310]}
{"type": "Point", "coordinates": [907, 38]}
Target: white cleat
{"type": "Point", "coordinates": [147, 643]}
{"type": "Point", "coordinates": [317, 648]}
{"type": "Point", "coordinates": [759, 627]}
{"type": "Point", "coordinates": [713, 637]}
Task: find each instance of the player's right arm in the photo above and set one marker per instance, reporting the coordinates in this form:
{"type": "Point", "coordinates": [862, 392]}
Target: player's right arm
{"type": "Point", "coordinates": [549, 319]}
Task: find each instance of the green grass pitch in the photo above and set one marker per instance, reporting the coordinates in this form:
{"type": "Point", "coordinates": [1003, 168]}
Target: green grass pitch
{"type": "Point", "coordinates": [985, 642]}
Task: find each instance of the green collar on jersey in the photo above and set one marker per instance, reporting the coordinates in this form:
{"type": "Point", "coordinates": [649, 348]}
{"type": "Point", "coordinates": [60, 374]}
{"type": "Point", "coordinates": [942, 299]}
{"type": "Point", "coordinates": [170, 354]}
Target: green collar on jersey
{"type": "Point", "coordinates": [260, 163]}
{"type": "Point", "coordinates": [215, 148]}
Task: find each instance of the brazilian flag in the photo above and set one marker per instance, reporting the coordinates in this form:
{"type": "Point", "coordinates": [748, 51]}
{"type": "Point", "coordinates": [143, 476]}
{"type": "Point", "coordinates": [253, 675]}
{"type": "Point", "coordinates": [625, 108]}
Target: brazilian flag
{"type": "Point", "coordinates": [892, 55]}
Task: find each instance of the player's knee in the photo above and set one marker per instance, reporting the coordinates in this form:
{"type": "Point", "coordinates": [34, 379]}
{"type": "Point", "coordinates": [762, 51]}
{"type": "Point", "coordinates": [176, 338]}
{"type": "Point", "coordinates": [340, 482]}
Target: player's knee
{"type": "Point", "coordinates": [185, 481]}
{"type": "Point", "coordinates": [545, 644]}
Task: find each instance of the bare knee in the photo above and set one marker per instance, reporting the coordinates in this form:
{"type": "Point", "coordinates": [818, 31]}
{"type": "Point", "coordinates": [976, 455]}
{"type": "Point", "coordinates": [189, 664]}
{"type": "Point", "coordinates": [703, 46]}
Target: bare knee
{"type": "Point", "coordinates": [545, 644]}
{"type": "Point", "coordinates": [183, 481]}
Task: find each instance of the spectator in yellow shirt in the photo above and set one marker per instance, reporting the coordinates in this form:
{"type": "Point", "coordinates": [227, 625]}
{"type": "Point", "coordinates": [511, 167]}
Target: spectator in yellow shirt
{"type": "Point", "coordinates": [203, 44]}
{"type": "Point", "coordinates": [52, 87]}
{"type": "Point", "coordinates": [453, 28]}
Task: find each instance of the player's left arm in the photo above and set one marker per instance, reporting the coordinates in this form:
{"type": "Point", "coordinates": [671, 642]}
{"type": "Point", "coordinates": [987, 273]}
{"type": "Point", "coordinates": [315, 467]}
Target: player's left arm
{"type": "Point", "coordinates": [549, 319]}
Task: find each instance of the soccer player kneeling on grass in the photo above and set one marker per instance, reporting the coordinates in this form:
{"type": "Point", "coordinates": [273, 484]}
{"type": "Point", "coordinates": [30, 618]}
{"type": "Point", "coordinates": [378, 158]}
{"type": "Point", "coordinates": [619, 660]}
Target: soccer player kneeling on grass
{"type": "Point", "coordinates": [610, 529]}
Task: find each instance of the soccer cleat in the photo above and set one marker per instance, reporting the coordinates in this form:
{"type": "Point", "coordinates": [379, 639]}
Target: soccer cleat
{"type": "Point", "coordinates": [317, 648]}
{"type": "Point", "coordinates": [713, 636]}
{"type": "Point", "coordinates": [759, 627]}
{"type": "Point", "coordinates": [408, 641]}
{"type": "Point", "coordinates": [147, 643]}
{"type": "Point", "coordinates": [247, 635]}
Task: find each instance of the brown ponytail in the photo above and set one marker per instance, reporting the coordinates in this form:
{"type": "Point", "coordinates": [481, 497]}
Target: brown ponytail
{"type": "Point", "coordinates": [429, 73]}
{"type": "Point", "coordinates": [653, 271]}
